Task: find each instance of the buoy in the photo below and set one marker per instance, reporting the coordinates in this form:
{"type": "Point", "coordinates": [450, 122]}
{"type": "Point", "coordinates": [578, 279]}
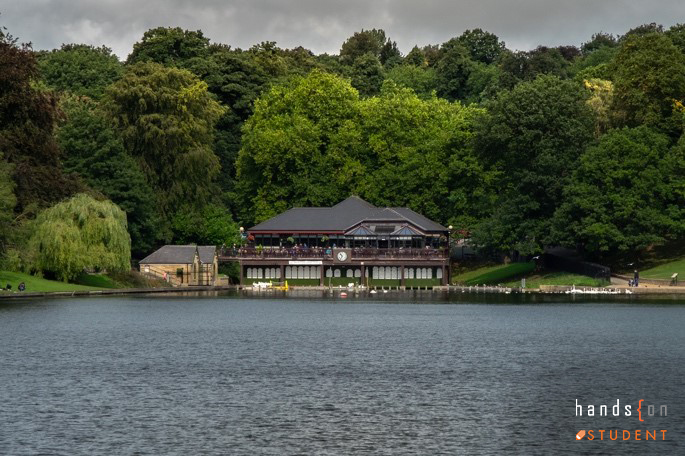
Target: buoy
{"type": "Point", "coordinates": [343, 295]}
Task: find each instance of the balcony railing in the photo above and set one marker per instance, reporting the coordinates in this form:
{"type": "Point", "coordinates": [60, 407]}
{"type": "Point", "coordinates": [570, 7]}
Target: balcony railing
{"type": "Point", "coordinates": [323, 253]}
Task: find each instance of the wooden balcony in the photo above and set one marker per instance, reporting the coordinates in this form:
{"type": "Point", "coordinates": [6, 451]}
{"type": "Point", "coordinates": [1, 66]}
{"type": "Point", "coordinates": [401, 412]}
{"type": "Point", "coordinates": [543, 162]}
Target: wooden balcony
{"type": "Point", "coordinates": [323, 253]}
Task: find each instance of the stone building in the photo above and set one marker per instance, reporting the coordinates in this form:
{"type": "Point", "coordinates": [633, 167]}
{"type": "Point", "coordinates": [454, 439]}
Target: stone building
{"type": "Point", "coordinates": [183, 265]}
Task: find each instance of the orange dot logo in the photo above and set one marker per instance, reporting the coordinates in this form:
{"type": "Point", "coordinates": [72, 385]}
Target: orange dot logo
{"type": "Point", "coordinates": [580, 434]}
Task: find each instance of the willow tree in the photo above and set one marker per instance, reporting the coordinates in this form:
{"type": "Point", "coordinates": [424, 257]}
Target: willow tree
{"type": "Point", "coordinates": [81, 233]}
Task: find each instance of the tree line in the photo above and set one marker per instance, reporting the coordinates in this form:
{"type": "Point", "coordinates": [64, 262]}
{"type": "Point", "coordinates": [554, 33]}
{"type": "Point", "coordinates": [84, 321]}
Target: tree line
{"type": "Point", "coordinates": [517, 150]}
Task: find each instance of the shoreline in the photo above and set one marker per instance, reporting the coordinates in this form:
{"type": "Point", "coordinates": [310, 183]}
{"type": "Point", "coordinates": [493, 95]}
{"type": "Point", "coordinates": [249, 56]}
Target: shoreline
{"type": "Point", "coordinates": [543, 290]}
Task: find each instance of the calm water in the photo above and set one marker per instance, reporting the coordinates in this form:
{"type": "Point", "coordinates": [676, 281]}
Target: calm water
{"type": "Point", "coordinates": [404, 374]}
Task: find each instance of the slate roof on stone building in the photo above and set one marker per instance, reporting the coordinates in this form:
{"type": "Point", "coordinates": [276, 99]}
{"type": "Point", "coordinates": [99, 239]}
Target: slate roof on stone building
{"type": "Point", "coordinates": [342, 217]}
{"type": "Point", "coordinates": [180, 254]}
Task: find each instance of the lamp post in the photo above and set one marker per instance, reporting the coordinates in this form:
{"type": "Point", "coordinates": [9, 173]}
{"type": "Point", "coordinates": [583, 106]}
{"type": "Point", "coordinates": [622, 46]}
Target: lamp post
{"type": "Point", "coordinates": [449, 254]}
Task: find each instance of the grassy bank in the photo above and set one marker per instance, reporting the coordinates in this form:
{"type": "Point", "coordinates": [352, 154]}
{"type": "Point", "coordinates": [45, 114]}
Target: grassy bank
{"type": "Point", "coordinates": [35, 284]}
{"type": "Point", "coordinates": [665, 271]}
{"type": "Point", "coordinates": [492, 275]}
{"type": "Point", "coordinates": [557, 278]}
{"type": "Point", "coordinates": [510, 275]}
{"type": "Point", "coordinates": [84, 282]}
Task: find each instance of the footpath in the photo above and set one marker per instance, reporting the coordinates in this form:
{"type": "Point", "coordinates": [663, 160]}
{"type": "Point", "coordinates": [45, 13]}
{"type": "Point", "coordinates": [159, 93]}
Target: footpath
{"type": "Point", "coordinates": [113, 291]}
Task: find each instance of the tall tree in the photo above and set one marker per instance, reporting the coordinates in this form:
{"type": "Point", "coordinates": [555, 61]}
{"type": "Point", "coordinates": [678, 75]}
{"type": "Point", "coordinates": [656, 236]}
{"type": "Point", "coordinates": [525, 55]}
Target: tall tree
{"type": "Point", "coordinates": [649, 76]}
{"type": "Point", "coordinates": [415, 57]}
{"type": "Point", "coordinates": [27, 120]}
{"type": "Point", "coordinates": [237, 79]}
{"type": "Point", "coordinates": [166, 118]}
{"type": "Point", "coordinates": [526, 66]}
{"type": "Point", "coordinates": [420, 79]}
{"type": "Point", "coordinates": [625, 196]}
{"type": "Point", "coordinates": [426, 141]}
{"type": "Point", "coordinates": [598, 41]}
{"type": "Point", "coordinates": [80, 69]}
{"type": "Point", "coordinates": [94, 151]}
{"type": "Point", "coordinates": [298, 147]}
{"type": "Point", "coordinates": [372, 42]}
{"type": "Point", "coordinates": [210, 225]}
{"type": "Point", "coordinates": [7, 202]}
{"type": "Point", "coordinates": [483, 46]}
{"type": "Point", "coordinates": [677, 36]}
{"type": "Point", "coordinates": [532, 138]}
{"type": "Point", "coordinates": [169, 46]}
{"type": "Point", "coordinates": [367, 75]}
{"type": "Point", "coordinates": [453, 70]}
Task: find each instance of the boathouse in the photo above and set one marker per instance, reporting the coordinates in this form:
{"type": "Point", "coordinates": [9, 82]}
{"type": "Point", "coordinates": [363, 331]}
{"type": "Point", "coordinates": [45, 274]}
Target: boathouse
{"type": "Point", "coordinates": [353, 242]}
{"type": "Point", "coordinates": [183, 265]}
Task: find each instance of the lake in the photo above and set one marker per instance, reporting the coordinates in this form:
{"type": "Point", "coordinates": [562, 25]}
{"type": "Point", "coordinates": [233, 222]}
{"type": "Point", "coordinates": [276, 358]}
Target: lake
{"type": "Point", "coordinates": [304, 373]}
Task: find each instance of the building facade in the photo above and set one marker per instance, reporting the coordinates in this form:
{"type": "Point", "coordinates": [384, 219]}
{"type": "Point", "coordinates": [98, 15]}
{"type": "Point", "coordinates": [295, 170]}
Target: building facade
{"type": "Point", "coordinates": [183, 265]}
{"type": "Point", "coordinates": [352, 242]}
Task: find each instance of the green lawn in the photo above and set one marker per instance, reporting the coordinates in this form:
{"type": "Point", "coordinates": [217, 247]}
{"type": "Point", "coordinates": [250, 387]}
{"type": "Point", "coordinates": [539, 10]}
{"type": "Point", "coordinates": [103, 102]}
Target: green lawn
{"type": "Point", "coordinates": [557, 278]}
{"type": "Point", "coordinates": [35, 284]}
{"type": "Point", "coordinates": [97, 281]}
{"type": "Point", "coordinates": [665, 271]}
{"type": "Point", "coordinates": [492, 275]}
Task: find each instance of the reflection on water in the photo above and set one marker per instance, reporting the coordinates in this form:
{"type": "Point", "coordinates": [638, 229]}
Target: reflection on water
{"type": "Point", "coordinates": [313, 373]}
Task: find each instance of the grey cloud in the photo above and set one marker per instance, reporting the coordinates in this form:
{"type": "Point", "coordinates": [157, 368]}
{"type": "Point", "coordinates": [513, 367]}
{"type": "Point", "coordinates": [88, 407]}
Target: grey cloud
{"type": "Point", "coordinates": [322, 25]}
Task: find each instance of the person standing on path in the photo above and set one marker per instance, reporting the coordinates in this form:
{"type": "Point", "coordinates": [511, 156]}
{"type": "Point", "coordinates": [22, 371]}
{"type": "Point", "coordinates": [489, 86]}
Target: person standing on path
{"type": "Point", "coordinates": [636, 278]}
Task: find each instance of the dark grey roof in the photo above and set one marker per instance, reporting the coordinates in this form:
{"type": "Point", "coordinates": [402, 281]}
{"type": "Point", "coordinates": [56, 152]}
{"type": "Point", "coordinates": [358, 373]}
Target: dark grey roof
{"type": "Point", "coordinates": [180, 254]}
{"type": "Point", "coordinates": [343, 216]}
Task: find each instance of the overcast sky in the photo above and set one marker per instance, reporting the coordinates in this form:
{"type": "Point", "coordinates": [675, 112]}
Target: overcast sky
{"type": "Point", "coordinates": [323, 25]}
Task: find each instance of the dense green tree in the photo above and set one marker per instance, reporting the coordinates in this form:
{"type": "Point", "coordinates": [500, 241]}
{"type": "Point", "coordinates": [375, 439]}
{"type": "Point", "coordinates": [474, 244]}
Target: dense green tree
{"type": "Point", "coordinates": [415, 57]}
{"type": "Point", "coordinates": [677, 36]}
{"type": "Point", "coordinates": [169, 46]}
{"type": "Point", "coordinates": [644, 29]}
{"type": "Point", "coordinates": [81, 233]}
{"type": "Point", "coordinates": [367, 75]}
{"type": "Point", "coordinates": [432, 54]}
{"type": "Point", "coordinates": [599, 41]}
{"type": "Point", "coordinates": [595, 64]}
{"type": "Point", "coordinates": [296, 148]}
{"type": "Point", "coordinates": [569, 53]}
{"type": "Point", "coordinates": [237, 80]}
{"type": "Point", "coordinates": [211, 225]}
{"type": "Point", "coordinates": [453, 70]}
{"type": "Point", "coordinates": [482, 46]}
{"type": "Point", "coordinates": [27, 119]}
{"type": "Point", "coordinates": [80, 69]}
{"type": "Point", "coordinates": [94, 151]}
{"type": "Point", "coordinates": [600, 101]}
{"type": "Point", "coordinates": [532, 138]}
{"type": "Point", "coordinates": [364, 42]}
{"type": "Point", "coordinates": [390, 55]}
{"type": "Point", "coordinates": [7, 202]}
{"type": "Point", "coordinates": [426, 141]}
{"type": "Point", "coordinates": [526, 66]}
{"type": "Point", "coordinates": [420, 79]}
{"type": "Point", "coordinates": [625, 196]}
{"type": "Point", "coordinates": [649, 76]}
{"type": "Point", "coordinates": [166, 118]}
{"type": "Point", "coordinates": [483, 82]}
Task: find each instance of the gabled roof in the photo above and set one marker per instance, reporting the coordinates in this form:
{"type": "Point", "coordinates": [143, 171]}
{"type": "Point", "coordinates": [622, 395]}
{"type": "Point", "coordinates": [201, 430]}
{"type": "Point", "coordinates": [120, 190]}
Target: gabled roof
{"type": "Point", "coordinates": [180, 254]}
{"type": "Point", "coordinates": [360, 231]}
{"type": "Point", "coordinates": [406, 231]}
{"type": "Point", "coordinates": [342, 217]}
